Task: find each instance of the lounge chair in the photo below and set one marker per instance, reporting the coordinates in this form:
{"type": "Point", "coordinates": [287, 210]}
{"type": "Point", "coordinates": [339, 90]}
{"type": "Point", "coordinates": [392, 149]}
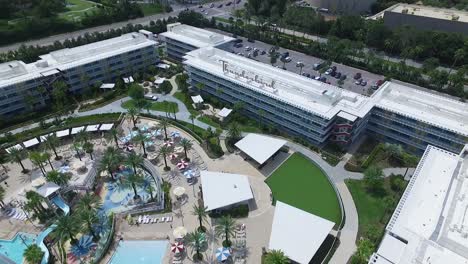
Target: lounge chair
{"type": "Point", "coordinates": [176, 261]}
{"type": "Point", "coordinates": [163, 219]}
{"type": "Point", "coordinates": [169, 219]}
{"type": "Point", "coordinates": [140, 219]}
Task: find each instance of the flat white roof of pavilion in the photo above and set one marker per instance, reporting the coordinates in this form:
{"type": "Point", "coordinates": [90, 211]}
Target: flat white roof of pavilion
{"type": "Point", "coordinates": [327, 100]}
{"type": "Point", "coordinates": [194, 36]}
{"type": "Point", "coordinates": [224, 189]}
{"type": "Point", "coordinates": [18, 71]}
{"type": "Point", "coordinates": [431, 213]}
{"type": "Point", "coordinates": [260, 147]}
{"type": "Point", "coordinates": [297, 233]}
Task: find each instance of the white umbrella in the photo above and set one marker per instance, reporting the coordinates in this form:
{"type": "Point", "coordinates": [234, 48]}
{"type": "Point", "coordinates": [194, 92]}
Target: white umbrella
{"type": "Point", "coordinates": [178, 191]}
{"type": "Point", "coordinates": [179, 232]}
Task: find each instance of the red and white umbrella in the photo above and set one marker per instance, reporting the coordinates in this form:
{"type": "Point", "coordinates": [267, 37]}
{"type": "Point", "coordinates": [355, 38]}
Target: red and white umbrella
{"type": "Point", "coordinates": [177, 247]}
{"type": "Point", "coordinates": [173, 156]}
{"type": "Point", "coordinates": [182, 164]}
{"type": "Point", "coordinates": [168, 143]}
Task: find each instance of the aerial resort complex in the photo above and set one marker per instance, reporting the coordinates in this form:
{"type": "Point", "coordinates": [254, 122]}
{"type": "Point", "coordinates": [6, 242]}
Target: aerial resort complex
{"type": "Point", "coordinates": [176, 147]}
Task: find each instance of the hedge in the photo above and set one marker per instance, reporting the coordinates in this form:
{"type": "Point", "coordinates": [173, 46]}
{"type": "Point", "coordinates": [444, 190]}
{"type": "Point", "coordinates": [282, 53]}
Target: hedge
{"type": "Point", "coordinates": [376, 151]}
{"type": "Point", "coordinates": [239, 211]}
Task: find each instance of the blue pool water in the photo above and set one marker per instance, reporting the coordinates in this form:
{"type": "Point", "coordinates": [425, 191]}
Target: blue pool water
{"type": "Point", "coordinates": [13, 249]}
{"type": "Point", "coordinates": [140, 252]}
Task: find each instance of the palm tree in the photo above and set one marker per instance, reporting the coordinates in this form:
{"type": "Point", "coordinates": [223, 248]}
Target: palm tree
{"type": "Point", "coordinates": [134, 160]}
{"type": "Point", "coordinates": [150, 188]}
{"type": "Point", "coordinates": [58, 178]}
{"type": "Point", "coordinates": [89, 148]}
{"type": "Point", "coordinates": [110, 160]}
{"type": "Point", "coordinates": [17, 155]}
{"type": "Point", "coordinates": [164, 123]}
{"type": "Point", "coordinates": [67, 227]}
{"type": "Point", "coordinates": [34, 202]}
{"type": "Point", "coordinates": [52, 142]}
{"type": "Point", "coordinates": [192, 117]}
{"type": "Point", "coordinates": [187, 145]}
{"type": "Point", "coordinates": [89, 218]}
{"type": "Point", "coordinates": [201, 213]}
{"type": "Point", "coordinates": [33, 254]}
{"type": "Point", "coordinates": [133, 112]}
{"type": "Point", "coordinates": [276, 257]}
{"type": "Point", "coordinates": [134, 180]}
{"type": "Point", "coordinates": [2, 196]}
{"type": "Point", "coordinates": [114, 133]}
{"type": "Point", "coordinates": [82, 136]}
{"type": "Point", "coordinates": [141, 138]}
{"type": "Point", "coordinates": [459, 55]}
{"type": "Point", "coordinates": [89, 202]}
{"type": "Point", "coordinates": [38, 159]}
{"type": "Point", "coordinates": [46, 156]}
{"type": "Point", "coordinates": [196, 240]}
{"type": "Point", "coordinates": [76, 146]}
{"type": "Point", "coordinates": [164, 151]}
{"type": "Point", "coordinates": [225, 228]}
{"type": "Point", "coordinates": [234, 132]}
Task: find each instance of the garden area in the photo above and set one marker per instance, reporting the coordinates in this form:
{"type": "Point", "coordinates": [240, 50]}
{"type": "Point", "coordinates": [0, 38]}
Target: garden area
{"type": "Point", "coordinates": [301, 183]}
{"type": "Point", "coordinates": [76, 9]}
{"type": "Point", "coordinates": [164, 106]}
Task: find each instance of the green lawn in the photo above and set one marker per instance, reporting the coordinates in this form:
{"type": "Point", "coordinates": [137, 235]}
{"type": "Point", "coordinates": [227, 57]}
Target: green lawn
{"type": "Point", "coordinates": [151, 9]}
{"type": "Point", "coordinates": [77, 9]}
{"type": "Point", "coordinates": [163, 106]}
{"type": "Point", "coordinates": [301, 183]}
{"type": "Point", "coordinates": [209, 122]}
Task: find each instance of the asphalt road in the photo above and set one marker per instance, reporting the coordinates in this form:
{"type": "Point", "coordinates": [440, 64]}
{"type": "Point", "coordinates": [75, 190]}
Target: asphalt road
{"type": "Point", "coordinates": [308, 61]}
{"type": "Point", "coordinates": [209, 12]}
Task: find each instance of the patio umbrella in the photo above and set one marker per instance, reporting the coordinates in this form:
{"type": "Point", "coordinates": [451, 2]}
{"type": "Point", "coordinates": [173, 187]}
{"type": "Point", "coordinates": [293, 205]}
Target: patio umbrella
{"type": "Point", "coordinates": [178, 191]}
{"type": "Point", "coordinates": [83, 247]}
{"type": "Point", "coordinates": [189, 174]}
{"type": "Point", "coordinates": [168, 143]}
{"type": "Point", "coordinates": [156, 133]}
{"type": "Point", "coordinates": [222, 254]}
{"type": "Point", "coordinates": [64, 169]}
{"type": "Point", "coordinates": [177, 247]}
{"type": "Point", "coordinates": [179, 232]}
{"type": "Point", "coordinates": [179, 149]}
{"type": "Point", "coordinates": [173, 156]}
{"type": "Point", "coordinates": [175, 134]}
{"type": "Point", "coordinates": [182, 164]}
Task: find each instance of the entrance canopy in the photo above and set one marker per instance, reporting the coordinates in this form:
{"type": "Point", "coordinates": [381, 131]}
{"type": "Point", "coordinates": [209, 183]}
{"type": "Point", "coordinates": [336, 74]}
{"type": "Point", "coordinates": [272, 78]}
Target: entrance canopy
{"type": "Point", "coordinates": [197, 99]}
{"type": "Point", "coordinates": [297, 233]}
{"type": "Point", "coordinates": [47, 189]}
{"type": "Point", "coordinates": [31, 142]}
{"type": "Point", "coordinates": [259, 147]}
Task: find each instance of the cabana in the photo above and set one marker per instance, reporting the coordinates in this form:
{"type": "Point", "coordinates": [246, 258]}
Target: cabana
{"type": "Point", "coordinates": [44, 137]}
{"type": "Point", "coordinates": [76, 130]}
{"type": "Point", "coordinates": [105, 127]}
{"type": "Point", "coordinates": [197, 99]}
{"type": "Point", "coordinates": [47, 189]}
{"type": "Point", "coordinates": [159, 81]}
{"type": "Point", "coordinates": [297, 233]}
{"type": "Point", "coordinates": [260, 148]}
{"type": "Point", "coordinates": [224, 113]}
{"type": "Point", "coordinates": [92, 128]}
{"type": "Point", "coordinates": [107, 86]}
{"type": "Point", "coordinates": [224, 190]}
{"type": "Point", "coordinates": [128, 80]}
{"type": "Point", "coordinates": [31, 142]}
{"type": "Point", "coordinates": [63, 133]}
{"type": "Point", "coordinates": [163, 66]}
{"type": "Point", "coordinates": [17, 146]}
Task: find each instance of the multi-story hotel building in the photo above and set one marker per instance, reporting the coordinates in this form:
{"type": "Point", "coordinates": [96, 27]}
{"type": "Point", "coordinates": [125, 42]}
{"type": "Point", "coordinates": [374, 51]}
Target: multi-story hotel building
{"type": "Point", "coordinates": [319, 112]}
{"type": "Point", "coordinates": [429, 224]}
{"type": "Point", "coordinates": [181, 39]}
{"type": "Point", "coordinates": [24, 87]}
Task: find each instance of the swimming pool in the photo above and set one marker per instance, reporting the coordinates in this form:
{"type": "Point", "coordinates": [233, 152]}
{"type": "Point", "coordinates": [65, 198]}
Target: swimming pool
{"type": "Point", "coordinates": [13, 249]}
{"type": "Point", "coordinates": [140, 252]}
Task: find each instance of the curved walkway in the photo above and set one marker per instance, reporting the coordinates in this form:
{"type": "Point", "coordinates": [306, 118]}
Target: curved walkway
{"type": "Point", "coordinates": [338, 174]}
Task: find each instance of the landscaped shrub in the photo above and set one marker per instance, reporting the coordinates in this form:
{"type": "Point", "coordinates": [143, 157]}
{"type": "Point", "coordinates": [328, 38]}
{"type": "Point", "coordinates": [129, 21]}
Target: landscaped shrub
{"type": "Point", "coordinates": [214, 147]}
{"type": "Point", "coordinates": [397, 183]}
{"type": "Point", "coordinates": [372, 156]}
{"type": "Point", "coordinates": [239, 211]}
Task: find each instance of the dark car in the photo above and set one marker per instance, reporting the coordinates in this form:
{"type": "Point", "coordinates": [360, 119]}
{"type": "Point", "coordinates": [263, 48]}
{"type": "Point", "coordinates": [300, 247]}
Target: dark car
{"type": "Point", "coordinates": [285, 54]}
{"type": "Point", "coordinates": [357, 76]}
{"type": "Point", "coordinates": [263, 52]}
{"type": "Point", "coordinates": [338, 75]}
{"type": "Point", "coordinates": [333, 74]}
{"type": "Point", "coordinates": [238, 1]}
{"type": "Point", "coordinates": [238, 45]}
{"type": "Point", "coordinates": [323, 79]}
{"type": "Point", "coordinates": [317, 66]}
{"type": "Point", "coordinates": [212, 5]}
{"type": "Point", "coordinates": [200, 6]}
{"type": "Point", "coordinates": [221, 5]}
{"type": "Point", "coordinates": [228, 3]}
{"type": "Point", "coordinates": [343, 77]}
{"type": "Point", "coordinates": [238, 40]}
{"type": "Point", "coordinates": [251, 40]}
{"type": "Point", "coordinates": [379, 82]}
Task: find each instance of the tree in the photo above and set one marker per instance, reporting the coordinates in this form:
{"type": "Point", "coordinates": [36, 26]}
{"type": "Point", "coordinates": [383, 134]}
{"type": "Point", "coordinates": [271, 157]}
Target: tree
{"type": "Point", "coordinates": [66, 228]}
{"type": "Point", "coordinates": [60, 96]}
{"type": "Point", "coordinates": [459, 55]}
{"type": "Point", "coordinates": [181, 81]}
{"type": "Point", "coordinates": [136, 92]}
{"type": "Point", "coordinates": [364, 251]}
{"type": "Point", "coordinates": [33, 254]}
{"type": "Point", "coordinates": [134, 160]}
{"type": "Point", "coordinates": [192, 118]}
{"type": "Point", "coordinates": [89, 218]}
{"type": "Point", "coordinates": [82, 136]}
{"type": "Point", "coordinates": [114, 133]}
{"type": "Point", "coordinates": [164, 123]}
{"type": "Point", "coordinates": [234, 132]}
{"type": "Point", "coordinates": [141, 138]}
{"type": "Point", "coordinates": [111, 159]}
{"type": "Point", "coordinates": [164, 151]}
{"type": "Point", "coordinates": [225, 227]}
{"type": "Point", "coordinates": [196, 241]}
{"type": "Point", "coordinates": [165, 87]}
{"type": "Point", "coordinates": [52, 142]}
{"type": "Point", "coordinates": [133, 112]}
{"type": "Point", "coordinates": [89, 148]}
{"type": "Point", "coordinates": [58, 178]}
{"type": "Point", "coordinates": [17, 155]}
{"type": "Point", "coordinates": [187, 145]}
{"type": "Point", "coordinates": [89, 202]}
{"type": "Point", "coordinates": [276, 257]}
{"type": "Point", "coordinates": [38, 159]}
{"type": "Point", "coordinates": [201, 213]}
{"type": "Point", "coordinates": [372, 178]}
{"type": "Point", "coordinates": [76, 146]}
{"type": "Point", "coordinates": [134, 180]}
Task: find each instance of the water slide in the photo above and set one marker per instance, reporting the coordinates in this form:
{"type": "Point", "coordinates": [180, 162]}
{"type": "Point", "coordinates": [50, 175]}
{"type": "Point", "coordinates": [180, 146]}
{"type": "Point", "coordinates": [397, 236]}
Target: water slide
{"type": "Point", "coordinates": [60, 203]}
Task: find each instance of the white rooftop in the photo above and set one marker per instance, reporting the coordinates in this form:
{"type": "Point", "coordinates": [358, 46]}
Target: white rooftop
{"type": "Point", "coordinates": [106, 127]}
{"type": "Point", "coordinates": [297, 233]}
{"type": "Point", "coordinates": [76, 130]}
{"type": "Point", "coordinates": [224, 112]}
{"type": "Point", "coordinates": [107, 86]}
{"type": "Point", "coordinates": [260, 147]}
{"type": "Point", "coordinates": [431, 215]}
{"type": "Point", "coordinates": [47, 189]}
{"type": "Point", "coordinates": [17, 71]}
{"type": "Point", "coordinates": [197, 99]}
{"type": "Point", "coordinates": [91, 128]}
{"type": "Point", "coordinates": [224, 189]}
{"type": "Point", "coordinates": [31, 142]}
{"type": "Point", "coordinates": [327, 100]}
{"type": "Point", "coordinates": [193, 36]}
{"type": "Point", "coordinates": [428, 11]}
{"type": "Point", "coordinates": [63, 133]}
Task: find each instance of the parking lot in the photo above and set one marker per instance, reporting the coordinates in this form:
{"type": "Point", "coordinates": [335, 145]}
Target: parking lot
{"type": "Point", "coordinates": [308, 61]}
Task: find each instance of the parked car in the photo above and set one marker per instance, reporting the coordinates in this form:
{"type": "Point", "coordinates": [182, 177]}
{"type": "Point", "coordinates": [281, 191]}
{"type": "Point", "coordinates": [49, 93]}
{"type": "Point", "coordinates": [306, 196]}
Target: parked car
{"type": "Point", "coordinates": [317, 66]}
{"type": "Point", "coordinates": [358, 82]}
{"type": "Point", "coordinates": [323, 79]}
{"type": "Point", "coordinates": [251, 40]}
{"type": "Point", "coordinates": [363, 83]}
{"type": "Point", "coordinates": [333, 73]}
{"type": "Point", "coordinates": [203, 10]}
{"type": "Point", "coordinates": [151, 97]}
{"type": "Point", "coordinates": [212, 5]}
{"type": "Point", "coordinates": [238, 1]}
{"type": "Point", "coordinates": [287, 59]}
{"type": "Point", "coordinates": [255, 53]}
{"type": "Point", "coordinates": [247, 48]}
{"type": "Point", "coordinates": [343, 77]}
{"type": "Point", "coordinates": [263, 52]}
{"type": "Point", "coordinates": [237, 40]}
{"type": "Point", "coordinates": [329, 71]}
{"type": "Point", "coordinates": [200, 6]}
{"type": "Point", "coordinates": [238, 45]}
{"type": "Point", "coordinates": [338, 75]}
{"type": "Point", "coordinates": [357, 76]}
{"type": "Point", "coordinates": [228, 3]}
{"type": "Point", "coordinates": [220, 5]}
{"type": "Point", "coordinates": [317, 78]}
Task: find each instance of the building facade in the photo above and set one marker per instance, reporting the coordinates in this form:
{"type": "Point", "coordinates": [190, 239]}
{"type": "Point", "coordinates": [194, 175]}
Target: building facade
{"type": "Point", "coordinates": [25, 87]}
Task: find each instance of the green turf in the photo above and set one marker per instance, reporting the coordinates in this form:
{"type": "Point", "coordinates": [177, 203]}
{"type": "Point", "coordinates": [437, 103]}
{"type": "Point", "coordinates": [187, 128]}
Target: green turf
{"type": "Point", "coordinates": [151, 9]}
{"type": "Point", "coordinates": [156, 106]}
{"type": "Point", "coordinates": [301, 183]}
{"type": "Point", "coordinates": [208, 121]}
{"type": "Point", "coordinates": [77, 9]}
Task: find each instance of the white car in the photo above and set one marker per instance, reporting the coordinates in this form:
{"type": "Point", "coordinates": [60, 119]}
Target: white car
{"type": "Point", "coordinates": [151, 97]}
{"type": "Point", "coordinates": [248, 48]}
